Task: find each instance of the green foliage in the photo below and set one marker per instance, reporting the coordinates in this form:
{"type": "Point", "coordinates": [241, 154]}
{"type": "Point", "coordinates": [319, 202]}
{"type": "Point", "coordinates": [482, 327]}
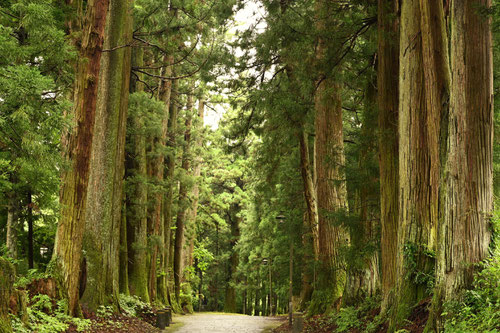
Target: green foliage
{"type": "Point", "coordinates": [35, 77]}
{"type": "Point", "coordinates": [133, 306]}
{"type": "Point", "coordinates": [413, 254]}
{"type": "Point", "coordinates": [46, 316]}
{"type": "Point", "coordinates": [105, 311]}
{"type": "Point", "coordinates": [186, 298]}
{"type": "Point", "coordinates": [203, 256]}
{"type": "Point", "coordinates": [32, 274]}
{"type": "Point", "coordinates": [479, 311]}
{"type": "Point", "coordinates": [346, 319]}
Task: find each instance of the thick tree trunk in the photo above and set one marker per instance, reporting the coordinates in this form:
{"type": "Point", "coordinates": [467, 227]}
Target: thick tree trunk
{"type": "Point", "coordinates": [12, 225]}
{"type": "Point", "coordinates": [73, 195]}
{"type": "Point", "coordinates": [423, 105]}
{"type": "Point", "coordinates": [332, 197]}
{"type": "Point", "coordinates": [464, 235]}
{"type": "Point", "coordinates": [7, 279]}
{"type": "Point", "coordinates": [136, 200]}
{"type": "Point", "coordinates": [183, 203]}
{"type": "Point", "coordinates": [331, 185]}
{"type": "Point", "coordinates": [388, 94]}
{"type": "Point", "coordinates": [309, 190]}
{"type": "Point", "coordinates": [123, 255]}
{"type": "Point", "coordinates": [104, 201]}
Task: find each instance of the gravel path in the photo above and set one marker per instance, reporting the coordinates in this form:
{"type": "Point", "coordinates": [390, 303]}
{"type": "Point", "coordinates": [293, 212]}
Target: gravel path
{"type": "Point", "coordinates": [224, 323]}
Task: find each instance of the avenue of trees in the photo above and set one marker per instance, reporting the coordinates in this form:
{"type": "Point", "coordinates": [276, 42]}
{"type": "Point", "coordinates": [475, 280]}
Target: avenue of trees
{"type": "Point", "coordinates": [352, 159]}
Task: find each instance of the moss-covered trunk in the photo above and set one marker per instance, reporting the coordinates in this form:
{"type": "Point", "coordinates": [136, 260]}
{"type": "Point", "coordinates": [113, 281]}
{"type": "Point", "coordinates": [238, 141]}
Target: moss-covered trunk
{"type": "Point", "coordinates": [306, 171]}
{"type": "Point", "coordinates": [464, 235]}
{"type": "Point", "coordinates": [12, 224]}
{"type": "Point", "coordinates": [7, 278]}
{"type": "Point", "coordinates": [388, 101]}
{"type": "Point", "coordinates": [104, 201]}
{"type": "Point", "coordinates": [123, 255]}
{"type": "Point", "coordinates": [423, 99]}
{"type": "Point", "coordinates": [66, 260]}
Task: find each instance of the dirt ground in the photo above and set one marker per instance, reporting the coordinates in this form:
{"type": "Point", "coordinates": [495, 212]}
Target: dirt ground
{"type": "Point", "coordinates": [222, 323]}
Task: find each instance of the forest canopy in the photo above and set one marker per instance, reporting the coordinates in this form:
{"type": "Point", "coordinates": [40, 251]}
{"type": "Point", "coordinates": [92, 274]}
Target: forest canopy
{"type": "Point", "coordinates": [333, 159]}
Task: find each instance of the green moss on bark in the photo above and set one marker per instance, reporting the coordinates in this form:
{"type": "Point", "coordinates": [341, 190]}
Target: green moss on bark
{"type": "Point", "coordinates": [7, 278]}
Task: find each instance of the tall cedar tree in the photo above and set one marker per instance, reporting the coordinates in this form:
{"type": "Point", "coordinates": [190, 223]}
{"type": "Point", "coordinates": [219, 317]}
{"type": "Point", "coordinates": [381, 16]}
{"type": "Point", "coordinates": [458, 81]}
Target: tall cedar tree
{"type": "Point", "coordinates": [388, 100]}
{"type": "Point", "coordinates": [423, 98]}
{"type": "Point", "coordinates": [331, 186]}
{"type": "Point", "coordinates": [68, 245]}
{"type": "Point", "coordinates": [464, 234]}
{"type": "Point", "coordinates": [104, 200]}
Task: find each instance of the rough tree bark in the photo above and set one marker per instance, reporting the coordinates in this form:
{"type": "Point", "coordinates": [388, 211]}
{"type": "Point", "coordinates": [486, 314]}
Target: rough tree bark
{"type": "Point", "coordinates": [331, 185]}
{"type": "Point", "coordinates": [12, 224]}
{"type": "Point", "coordinates": [123, 253]}
{"type": "Point", "coordinates": [101, 241]}
{"type": "Point", "coordinates": [73, 195]}
{"type": "Point", "coordinates": [464, 235]}
{"type": "Point", "coordinates": [423, 104]}
{"type": "Point", "coordinates": [388, 94]}
{"type": "Point", "coordinates": [309, 190]}
{"type": "Point", "coordinates": [332, 197]}
{"type": "Point", "coordinates": [7, 279]}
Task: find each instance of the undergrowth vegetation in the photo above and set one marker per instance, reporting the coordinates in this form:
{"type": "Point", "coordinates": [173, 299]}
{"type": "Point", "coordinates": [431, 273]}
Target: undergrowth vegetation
{"type": "Point", "coordinates": [47, 316]}
{"type": "Point", "coordinates": [480, 309]}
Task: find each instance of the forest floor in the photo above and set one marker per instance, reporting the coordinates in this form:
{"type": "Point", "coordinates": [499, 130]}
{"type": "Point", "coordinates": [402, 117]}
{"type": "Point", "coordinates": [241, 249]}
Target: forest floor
{"type": "Point", "coordinates": [367, 321]}
{"type": "Point", "coordinates": [118, 323]}
{"type": "Point", "coordinates": [222, 323]}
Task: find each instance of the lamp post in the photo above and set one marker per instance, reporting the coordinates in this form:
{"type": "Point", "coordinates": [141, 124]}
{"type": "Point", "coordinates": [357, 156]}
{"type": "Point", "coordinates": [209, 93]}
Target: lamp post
{"type": "Point", "coordinates": [281, 219]}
